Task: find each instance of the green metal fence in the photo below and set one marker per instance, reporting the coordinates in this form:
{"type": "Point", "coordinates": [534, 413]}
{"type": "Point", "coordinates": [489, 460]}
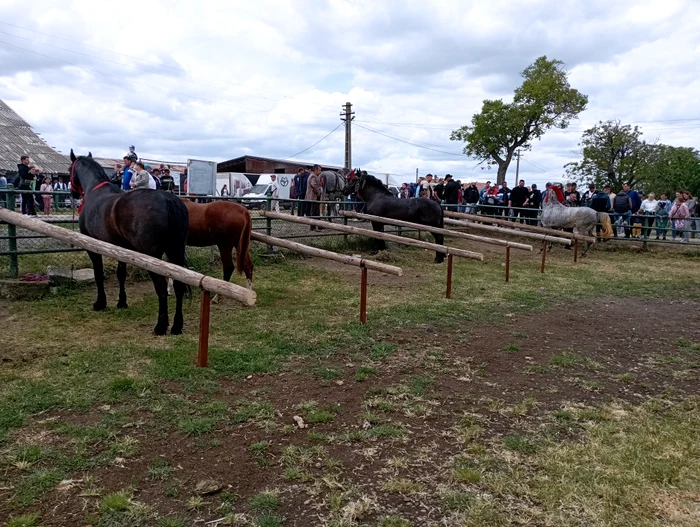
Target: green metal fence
{"type": "Point", "coordinates": [23, 251]}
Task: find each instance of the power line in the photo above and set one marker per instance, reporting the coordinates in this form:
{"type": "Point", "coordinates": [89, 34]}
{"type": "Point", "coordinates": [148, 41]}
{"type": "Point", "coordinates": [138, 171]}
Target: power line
{"type": "Point", "coordinates": [408, 142]}
{"type": "Point", "coordinates": [159, 64]}
{"type": "Point", "coordinates": [317, 142]}
{"type": "Point", "coordinates": [144, 84]}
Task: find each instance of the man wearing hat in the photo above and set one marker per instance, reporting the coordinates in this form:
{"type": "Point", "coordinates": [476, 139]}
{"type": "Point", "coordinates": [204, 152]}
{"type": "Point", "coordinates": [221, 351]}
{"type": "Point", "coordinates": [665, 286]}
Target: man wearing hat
{"type": "Point", "coordinates": [451, 193]}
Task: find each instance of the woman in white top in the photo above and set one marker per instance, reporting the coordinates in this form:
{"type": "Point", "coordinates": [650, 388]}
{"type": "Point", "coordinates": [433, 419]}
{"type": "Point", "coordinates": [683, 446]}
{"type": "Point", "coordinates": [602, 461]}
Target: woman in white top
{"type": "Point", "coordinates": [648, 211]}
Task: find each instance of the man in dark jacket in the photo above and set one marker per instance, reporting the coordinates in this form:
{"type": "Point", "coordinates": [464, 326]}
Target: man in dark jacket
{"type": "Point", "coordinates": [623, 211]}
{"type": "Point", "coordinates": [600, 202]}
{"type": "Point", "coordinates": [503, 197]}
{"type": "Point", "coordinates": [518, 197]}
{"type": "Point", "coordinates": [534, 201]}
{"type": "Point", "coordinates": [471, 198]}
{"type": "Point", "coordinates": [26, 178]}
{"type": "Point", "coordinates": [451, 193]}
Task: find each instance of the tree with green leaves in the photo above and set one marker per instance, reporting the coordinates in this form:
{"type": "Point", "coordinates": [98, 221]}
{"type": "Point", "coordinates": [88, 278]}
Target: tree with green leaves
{"type": "Point", "coordinates": [543, 101]}
{"type": "Point", "coordinates": [612, 154]}
{"type": "Point", "coordinates": [671, 168]}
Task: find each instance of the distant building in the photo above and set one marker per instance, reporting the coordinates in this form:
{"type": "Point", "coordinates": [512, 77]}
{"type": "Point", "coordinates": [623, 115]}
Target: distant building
{"type": "Point", "coordinates": [17, 139]}
{"type": "Point", "coordinates": [265, 165]}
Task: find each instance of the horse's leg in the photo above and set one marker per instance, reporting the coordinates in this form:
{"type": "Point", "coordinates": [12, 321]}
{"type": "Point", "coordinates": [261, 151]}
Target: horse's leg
{"type": "Point", "coordinates": [121, 276]}
{"type": "Point", "coordinates": [178, 320]}
{"type": "Point", "coordinates": [101, 302]}
{"type": "Point", "coordinates": [226, 254]}
{"type": "Point", "coordinates": [177, 256]}
{"type": "Point", "coordinates": [440, 240]}
{"type": "Point", "coordinates": [379, 245]}
{"type": "Point", "coordinates": [161, 286]}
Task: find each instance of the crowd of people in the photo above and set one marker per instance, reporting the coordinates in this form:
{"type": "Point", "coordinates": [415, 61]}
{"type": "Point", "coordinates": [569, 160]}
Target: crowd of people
{"type": "Point", "coordinates": [37, 188]}
{"type": "Point", "coordinates": [134, 173]}
{"type": "Point", "coordinates": [634, 213]}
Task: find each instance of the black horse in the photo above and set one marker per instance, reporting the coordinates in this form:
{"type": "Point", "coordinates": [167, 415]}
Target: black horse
{"type": "Point", "coordinates": [379, 201]}
{"type": "Point", "coordinates": [151, 222]}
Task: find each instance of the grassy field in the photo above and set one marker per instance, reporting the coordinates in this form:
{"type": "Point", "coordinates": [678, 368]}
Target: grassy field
{"type": "Point", "coordinates": [564, 399]}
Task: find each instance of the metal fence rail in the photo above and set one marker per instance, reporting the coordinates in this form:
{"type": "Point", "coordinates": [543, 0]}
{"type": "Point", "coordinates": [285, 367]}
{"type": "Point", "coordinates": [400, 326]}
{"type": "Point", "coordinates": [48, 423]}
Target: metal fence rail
{"type": "Point", "coordinates": [22, 251]}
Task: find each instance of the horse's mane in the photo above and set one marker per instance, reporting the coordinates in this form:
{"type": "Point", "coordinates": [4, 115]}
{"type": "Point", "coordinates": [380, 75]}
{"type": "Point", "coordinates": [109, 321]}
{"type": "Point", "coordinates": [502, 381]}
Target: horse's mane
{"type": "Point", "coordinates": [376, 183]}
{"type": "Point", "coordinates": [94, 167]}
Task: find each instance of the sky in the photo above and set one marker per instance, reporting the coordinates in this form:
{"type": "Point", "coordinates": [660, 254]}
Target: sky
{"type": "Point", "coordinates": [217, 80]}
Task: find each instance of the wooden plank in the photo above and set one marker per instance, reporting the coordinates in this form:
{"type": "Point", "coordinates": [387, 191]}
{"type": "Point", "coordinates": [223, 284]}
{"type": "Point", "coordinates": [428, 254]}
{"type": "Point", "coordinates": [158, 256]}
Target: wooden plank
{"type": "Point", "coordinates": [509, 232]}
{"type": "Point", "coordinates": [519, 226]}
{"type": "Point", "coordinates": [372, 234]}
{"type": "Point", "coordinates": [161, 267]}
{"type": "Point", "coordinates": [437, 230]}
{"type": "Point", "coordinates": [329, 255]}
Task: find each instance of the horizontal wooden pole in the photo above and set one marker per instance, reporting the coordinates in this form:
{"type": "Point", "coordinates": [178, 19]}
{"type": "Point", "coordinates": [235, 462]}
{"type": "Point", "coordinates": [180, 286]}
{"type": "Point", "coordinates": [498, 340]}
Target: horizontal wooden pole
{"type": "Point", "coordinates": [161, 267]}
{"type": "Point", "coordinates": [403, 240]}
{"type": "Point", "coordinates": [519, 226]}
{"type": "Point", "coordinates": [329, 255]}
{"type": "Point", "coordinates": [509, 232]}
{"type": "Point", "coordinates": [437, 230]}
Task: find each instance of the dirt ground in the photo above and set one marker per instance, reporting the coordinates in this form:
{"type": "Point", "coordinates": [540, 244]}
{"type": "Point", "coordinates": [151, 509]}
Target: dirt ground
{"type": "Point", "coordinates": [512, 375]}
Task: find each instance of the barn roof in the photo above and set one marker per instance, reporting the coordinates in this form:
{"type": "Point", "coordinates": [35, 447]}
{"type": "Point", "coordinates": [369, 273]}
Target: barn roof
{"type": "Point", "coordinates": [17, 139]}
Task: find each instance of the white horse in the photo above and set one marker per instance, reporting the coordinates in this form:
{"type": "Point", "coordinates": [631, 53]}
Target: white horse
{"type": "Point", "coordinates": [582, 220]}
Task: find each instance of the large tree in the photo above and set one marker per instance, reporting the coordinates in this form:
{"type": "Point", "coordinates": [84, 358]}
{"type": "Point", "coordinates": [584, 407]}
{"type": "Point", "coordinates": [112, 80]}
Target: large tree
{"type": "Point", "coordinates": [613, 154]}
{"type": "Point", "coordinates": [671, 168]}
{"type": "Point", "coordinates": [544, 100]}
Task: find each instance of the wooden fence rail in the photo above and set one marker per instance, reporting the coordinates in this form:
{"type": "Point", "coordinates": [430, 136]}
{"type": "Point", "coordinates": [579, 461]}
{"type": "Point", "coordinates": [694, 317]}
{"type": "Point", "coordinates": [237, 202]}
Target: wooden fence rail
{"type": "Point", "coordinates": [362, 263]}
{"type": "Point", "coordinates": [161, 267]}
{"type": "Point", "coordinates": [437, 230]}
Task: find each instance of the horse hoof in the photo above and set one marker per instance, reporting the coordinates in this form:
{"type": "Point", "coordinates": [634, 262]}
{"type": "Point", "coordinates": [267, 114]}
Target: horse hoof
{"type": "Point", "coordinates": [176, 331]}
{"type": "Point", "coordinates": [215, 299]}
{"type": "Point", "coordinates": [160, 330]}
{"type": "Point", "coordinates": [122, 305]}
{"type": "Point", "coordinates": [99, 306]}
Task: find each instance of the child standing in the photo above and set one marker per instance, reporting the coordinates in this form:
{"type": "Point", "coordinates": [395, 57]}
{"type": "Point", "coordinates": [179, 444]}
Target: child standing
{"type": "Point", "coordinates": [47, 198]}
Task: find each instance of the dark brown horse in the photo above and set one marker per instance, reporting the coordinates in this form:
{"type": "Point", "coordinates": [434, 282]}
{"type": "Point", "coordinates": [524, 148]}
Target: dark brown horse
{"type": "Point", "coordinates": [151, 222]}
{"type": "Point", "coordinates": [226, 225]}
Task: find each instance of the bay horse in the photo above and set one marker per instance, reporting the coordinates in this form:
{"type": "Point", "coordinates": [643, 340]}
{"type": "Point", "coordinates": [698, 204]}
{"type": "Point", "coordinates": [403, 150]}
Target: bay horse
{"type": "Point", "coordinates": [379, 201]}
{"type": "Point", "coordinates": [583, 220]}
{"type": "Point", "coordinates": [151, 222]}
{"type": "Point", "coordinates": [226, 225]}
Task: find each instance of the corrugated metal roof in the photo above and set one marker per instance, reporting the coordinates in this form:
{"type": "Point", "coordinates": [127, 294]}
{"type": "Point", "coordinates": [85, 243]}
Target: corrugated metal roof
{"type": "Point", "coordinates": [18, 139]}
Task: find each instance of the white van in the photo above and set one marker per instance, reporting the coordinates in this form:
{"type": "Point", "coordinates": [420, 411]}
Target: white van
{"type": "Point", "coordinates": [257, 197]}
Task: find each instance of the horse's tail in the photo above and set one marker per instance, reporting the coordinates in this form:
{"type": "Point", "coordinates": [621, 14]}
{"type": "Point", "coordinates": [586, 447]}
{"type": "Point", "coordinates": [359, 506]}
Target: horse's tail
{"type": "Point", "coordinates": [243, 260]}
{"type": "Point", "coordinates": [178, 226]}
{"type": "Point", "coordinates": [604, 219]}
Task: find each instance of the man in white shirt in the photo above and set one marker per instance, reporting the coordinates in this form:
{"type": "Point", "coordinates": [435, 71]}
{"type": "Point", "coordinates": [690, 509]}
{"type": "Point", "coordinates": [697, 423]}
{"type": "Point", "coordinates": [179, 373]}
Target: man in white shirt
{"type": "Point", "coordinates": [274, 194]}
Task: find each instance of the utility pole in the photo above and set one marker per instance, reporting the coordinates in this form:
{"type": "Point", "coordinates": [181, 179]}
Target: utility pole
{"type": "Point", "coordinates": [416, 175]}
{"type": "Point", "coordinates": [517, 168]}
{"type": "Point", "coordinates": [348, 116]}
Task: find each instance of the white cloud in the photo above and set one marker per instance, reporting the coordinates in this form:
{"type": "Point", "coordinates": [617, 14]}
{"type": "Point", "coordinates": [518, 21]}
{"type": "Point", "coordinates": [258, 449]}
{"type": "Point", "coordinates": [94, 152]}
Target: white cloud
{"type": "Point", "coordinates": [219, 79]}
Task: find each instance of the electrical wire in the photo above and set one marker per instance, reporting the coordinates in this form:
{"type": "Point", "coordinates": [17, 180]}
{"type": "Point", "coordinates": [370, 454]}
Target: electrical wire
{"type": "Point", "coordinates": [408, 142]}
{"type": "Point", "coordinates": [310, 147]}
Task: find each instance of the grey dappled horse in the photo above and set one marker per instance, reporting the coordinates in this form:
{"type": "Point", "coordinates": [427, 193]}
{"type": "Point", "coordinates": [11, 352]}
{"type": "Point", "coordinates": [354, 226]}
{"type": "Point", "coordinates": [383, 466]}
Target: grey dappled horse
{"type": "Point", "coordinates": [582, 220]}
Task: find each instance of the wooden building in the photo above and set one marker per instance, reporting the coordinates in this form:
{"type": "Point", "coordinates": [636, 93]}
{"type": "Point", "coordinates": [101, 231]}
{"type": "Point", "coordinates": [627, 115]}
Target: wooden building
{"type": "Point", "coordinates": [17, 139]}
{"type": "Point", "coordinates": [265, 165]}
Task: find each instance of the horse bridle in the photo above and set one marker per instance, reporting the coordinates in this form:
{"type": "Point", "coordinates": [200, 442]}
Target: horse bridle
{"type": "Point", "coordinates": [77, 186]}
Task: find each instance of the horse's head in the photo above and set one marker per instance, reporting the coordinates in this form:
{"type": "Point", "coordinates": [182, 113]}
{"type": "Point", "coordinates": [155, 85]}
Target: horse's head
{"type": "Point", "coordinates": [355, 181]}
{"type": "Point", "coordinates": [76, 187]}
